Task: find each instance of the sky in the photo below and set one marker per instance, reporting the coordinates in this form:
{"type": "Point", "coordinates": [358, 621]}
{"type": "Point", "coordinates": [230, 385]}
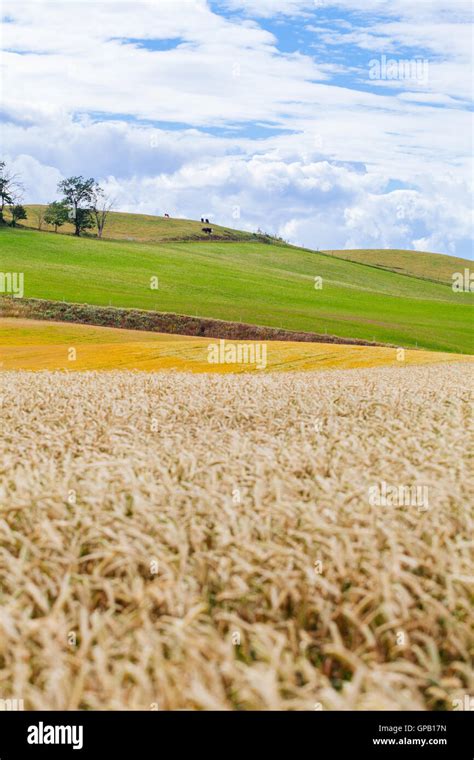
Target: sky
{"type": "Point", "coordinates": [331, 123]}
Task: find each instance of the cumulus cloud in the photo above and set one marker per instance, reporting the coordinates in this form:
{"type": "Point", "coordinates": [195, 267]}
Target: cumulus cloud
{"type": "Point", "coordinates": [269, 8]}
{"type": "Point", "coordinates": [39, 180]}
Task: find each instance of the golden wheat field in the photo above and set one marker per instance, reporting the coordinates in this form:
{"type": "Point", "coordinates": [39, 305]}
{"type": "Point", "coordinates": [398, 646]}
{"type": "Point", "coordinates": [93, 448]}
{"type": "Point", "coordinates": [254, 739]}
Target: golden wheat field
{"type": "Point", "coordinates": [28, 344]}
{"type": "Point", "coordinates": [179, 541]}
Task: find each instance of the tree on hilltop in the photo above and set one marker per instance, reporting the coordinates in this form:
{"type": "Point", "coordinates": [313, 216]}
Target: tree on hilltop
{"type": "Point", "coordinates": [57, 214]}
{"type": "Point", "coordinates": [10, 189]}
{"type": "Point", "coordinates": [39, 213]}
{"type": "Point", "coordinates": [102, 206]}
{"type": "Point", "coordinates": [17, 212]}
{"type": "Point", "coordinates": [80, 195]}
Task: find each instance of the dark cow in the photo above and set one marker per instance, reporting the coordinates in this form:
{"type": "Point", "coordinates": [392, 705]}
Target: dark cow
{"type": "Point", "coordinates": [207, 221]}
{"type": "Point", "coordinates": [167, 216]}
{"type": "Point", "coordinates": [208, 230]}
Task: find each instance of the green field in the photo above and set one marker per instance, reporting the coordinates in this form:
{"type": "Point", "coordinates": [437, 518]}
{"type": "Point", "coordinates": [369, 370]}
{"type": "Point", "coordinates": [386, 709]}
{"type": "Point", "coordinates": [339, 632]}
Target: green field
{"type": "Point", "coordinates": [249, 282]}
{"type": "Point", "coordinates": [428, 266]}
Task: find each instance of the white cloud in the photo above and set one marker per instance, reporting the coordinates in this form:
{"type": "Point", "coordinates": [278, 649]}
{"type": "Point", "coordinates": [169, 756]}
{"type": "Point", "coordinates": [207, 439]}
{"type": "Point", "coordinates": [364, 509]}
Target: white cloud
{"type": "Point", "coordinates": [39, 180]}
{"type": "Point", "coordinates": [269, 8]}
{"type": "Point", "coordinates": [219, 72]}
{"type": "Point", "coordinates": [421, 10]}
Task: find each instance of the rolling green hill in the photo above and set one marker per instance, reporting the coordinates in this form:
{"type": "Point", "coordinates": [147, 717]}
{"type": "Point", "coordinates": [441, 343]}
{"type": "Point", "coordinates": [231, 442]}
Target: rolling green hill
{"type": "Point", "coordinates": [143, 228]}
{"type": "Point", "coordinates": [244, 281]}
{"type": "Point", "coordinates": [427, 266]}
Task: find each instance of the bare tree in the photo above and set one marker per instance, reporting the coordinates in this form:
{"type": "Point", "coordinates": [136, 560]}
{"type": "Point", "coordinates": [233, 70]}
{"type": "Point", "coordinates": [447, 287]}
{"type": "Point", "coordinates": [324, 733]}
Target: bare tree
{"type": "Point", "coordinates": [10, 189]}
{"type": "Point", "coordinates": [101, 209]}
{"type": "Point", "coordinates": [39, 214]}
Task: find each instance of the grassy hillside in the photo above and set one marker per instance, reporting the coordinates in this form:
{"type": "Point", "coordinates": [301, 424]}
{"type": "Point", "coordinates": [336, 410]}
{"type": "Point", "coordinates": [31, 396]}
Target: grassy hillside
{"type": "Point", "coordinates": [246, 282]}
{"type": "Point", "coordinates": [429, 266]}
{"type": "Point", "coordinates": [143, 228]}
{"type": "Point", "coordinates": [35, 345]}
